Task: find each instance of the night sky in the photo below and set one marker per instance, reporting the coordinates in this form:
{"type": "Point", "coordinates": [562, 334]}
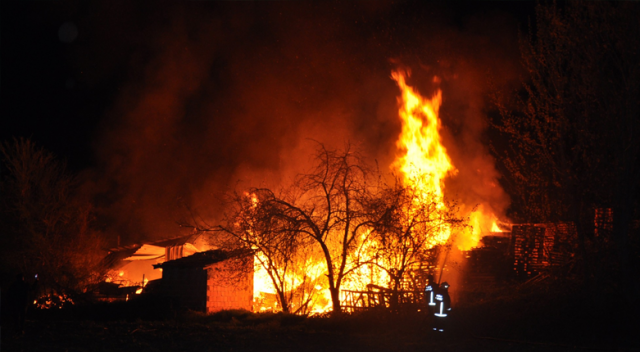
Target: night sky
{"type": "Point", "coordinates": [164, 106]}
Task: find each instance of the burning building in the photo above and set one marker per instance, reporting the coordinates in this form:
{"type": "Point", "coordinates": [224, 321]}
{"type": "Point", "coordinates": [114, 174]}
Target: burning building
{"type": "Point", "coordinates": [185, 271]}
{"type": "Point", "coordinates": [421, 165]}
{"type": "Point", "coordinates": [130, 268]}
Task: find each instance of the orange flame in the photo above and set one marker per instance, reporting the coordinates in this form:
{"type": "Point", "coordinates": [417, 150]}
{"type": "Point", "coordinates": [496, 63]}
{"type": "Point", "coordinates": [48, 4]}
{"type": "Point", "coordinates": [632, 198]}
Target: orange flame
{"type": "Point", "coordinates": [482, 222]}
{"type": "Point", "coordinates": [420, 138]}
{"type": "Point", "coordinates": [422, 153]}
{"type": "Point", "coordinates": [422, 161]}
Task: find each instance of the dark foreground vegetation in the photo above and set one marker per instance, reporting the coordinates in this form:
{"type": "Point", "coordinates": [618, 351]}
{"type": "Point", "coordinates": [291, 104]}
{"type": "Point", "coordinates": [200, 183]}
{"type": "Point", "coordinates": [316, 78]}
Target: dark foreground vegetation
{"type": "Point", "coordinates": [547, 319]}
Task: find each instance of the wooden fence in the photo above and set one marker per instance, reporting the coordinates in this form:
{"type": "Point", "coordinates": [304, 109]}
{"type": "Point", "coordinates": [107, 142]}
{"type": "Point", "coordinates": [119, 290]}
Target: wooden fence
{"type": "Point", "coordinates": [353, 301]}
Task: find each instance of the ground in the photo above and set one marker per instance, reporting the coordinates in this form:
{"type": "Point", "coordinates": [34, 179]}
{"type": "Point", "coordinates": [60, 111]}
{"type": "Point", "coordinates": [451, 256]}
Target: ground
{"type": "Point", "coordinates": [552, 318]}
{"type": "Point", "coordinates": [473, 330]}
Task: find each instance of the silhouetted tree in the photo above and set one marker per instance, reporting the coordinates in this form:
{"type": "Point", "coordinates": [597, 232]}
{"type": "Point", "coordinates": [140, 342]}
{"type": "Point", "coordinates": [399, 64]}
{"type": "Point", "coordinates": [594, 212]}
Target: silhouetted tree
{"type": "Point", "coordinates": [253, 220]}
{"type": "Point", "coordinates": [330, 209]}
{"type": "Point", "coordinates": [407, 224]}
{"type": "Point", "coordinates": [574, 131]}
{"type": "Point", "coordinates": [342, 216]}
{"type": "Point", "coordinates": [322, 209]}
{"type": "Point", "coordinates": [45, 224]}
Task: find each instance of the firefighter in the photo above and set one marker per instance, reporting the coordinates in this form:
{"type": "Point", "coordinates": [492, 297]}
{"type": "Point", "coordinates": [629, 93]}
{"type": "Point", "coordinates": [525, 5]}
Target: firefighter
{"type": "Point", "coordinates": [429, 294]}
{"type": "Point", "coordinates": [443, 307]}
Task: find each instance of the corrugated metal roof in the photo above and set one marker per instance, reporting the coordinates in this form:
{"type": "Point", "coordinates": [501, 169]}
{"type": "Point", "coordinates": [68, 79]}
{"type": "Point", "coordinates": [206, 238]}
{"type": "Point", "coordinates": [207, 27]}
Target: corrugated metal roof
{"type": "Point", "coordinates": [120, 256]}
{"type": "Point", "coordinates": [115, 259]}
{"type": "Point", "coordinates": [168, 242]}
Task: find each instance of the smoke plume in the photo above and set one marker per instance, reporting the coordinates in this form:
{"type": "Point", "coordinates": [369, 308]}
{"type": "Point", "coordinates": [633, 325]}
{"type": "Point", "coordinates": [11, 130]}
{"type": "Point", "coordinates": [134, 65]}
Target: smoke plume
{"type": "Point", "coordinates": [213, 96]}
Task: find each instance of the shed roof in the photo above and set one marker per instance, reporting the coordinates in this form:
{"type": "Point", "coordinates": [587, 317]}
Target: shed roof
{"type": "Point", "coordinates": [203, 259]}
{"type": "Point", "coordinates": [120, 256]}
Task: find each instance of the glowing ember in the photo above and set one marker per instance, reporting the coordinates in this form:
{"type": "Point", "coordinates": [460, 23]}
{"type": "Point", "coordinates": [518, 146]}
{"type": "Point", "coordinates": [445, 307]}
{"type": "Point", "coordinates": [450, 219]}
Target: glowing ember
{"type": "Point", "coordinates": [52, 300]}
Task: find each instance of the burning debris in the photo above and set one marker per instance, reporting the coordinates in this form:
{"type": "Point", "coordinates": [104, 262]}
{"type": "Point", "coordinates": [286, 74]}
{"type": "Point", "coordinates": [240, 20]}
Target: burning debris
{"type": "Point", "coordinates": [390, 232]}
{"type": "Point", "coordinates": [53, 301]}
{"type": "Point", "coordinates": [130, 268]}
{"type": "Point", "coordinates": [396, 234]}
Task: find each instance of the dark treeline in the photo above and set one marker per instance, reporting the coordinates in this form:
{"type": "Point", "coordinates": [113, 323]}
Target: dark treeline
{"type": "Point", "coordinates": [574, 129]}
{"type": "Point", "coordinates": [47, 224]}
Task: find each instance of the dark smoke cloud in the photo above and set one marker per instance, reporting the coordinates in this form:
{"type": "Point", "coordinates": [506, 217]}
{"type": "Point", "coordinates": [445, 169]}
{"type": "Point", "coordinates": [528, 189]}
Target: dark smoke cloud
{"type": "Point", "coordinates": [486, 59]}
{"type": "Point", "coordinates": [214, 95]}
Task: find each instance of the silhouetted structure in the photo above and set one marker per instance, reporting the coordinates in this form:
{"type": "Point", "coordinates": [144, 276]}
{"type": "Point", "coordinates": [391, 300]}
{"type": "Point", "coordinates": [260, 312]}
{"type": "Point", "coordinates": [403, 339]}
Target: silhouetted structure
{"type": "Point", "coordinates": [525, 252]}
{"type": "Point", "coordinates": [209, 281]}
{"type": "Point", "coordinates": [536, 248]}
{"type": "Point", "coordinates": [129, 268]}
{"type": "Point", "coordinates": [490, 263]}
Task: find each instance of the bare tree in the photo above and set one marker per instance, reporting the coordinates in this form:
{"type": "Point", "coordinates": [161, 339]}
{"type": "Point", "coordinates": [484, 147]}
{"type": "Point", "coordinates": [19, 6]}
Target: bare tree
{"type": "Point", "coordinates": [330, 209]}
{"type": "Point", "coordinates": [574, 129]}
{"type": "Point", "coordinates": [253, 220]}
{"type": "Point", "coordinates": [407, 225]}
{"type": "Point", "coordinates": [46, 224]}
{"type": "Point", "coordinates": [324, 206]}
{"type": "Point", "coordinates": [340, 215]}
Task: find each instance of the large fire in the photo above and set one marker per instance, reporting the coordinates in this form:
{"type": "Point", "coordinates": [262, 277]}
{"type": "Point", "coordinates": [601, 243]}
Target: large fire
{"type": "Point", "coordinates": [421, 165]}
{"type": "Point", "coordinates": [422, 161]}
{"type": "Point", "coordinates": [419, 142]}
{"type": "Point", "coordinates": [422, 153]}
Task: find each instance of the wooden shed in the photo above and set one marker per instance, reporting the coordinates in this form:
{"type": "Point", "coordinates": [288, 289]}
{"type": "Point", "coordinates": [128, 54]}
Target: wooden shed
{"type": "Point", "coordinates": [209, 281]}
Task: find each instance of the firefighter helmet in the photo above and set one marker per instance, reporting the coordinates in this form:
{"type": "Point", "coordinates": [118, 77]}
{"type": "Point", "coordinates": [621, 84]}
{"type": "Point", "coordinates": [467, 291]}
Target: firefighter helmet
{"type": "Point", "coordinates": [445, 285]}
